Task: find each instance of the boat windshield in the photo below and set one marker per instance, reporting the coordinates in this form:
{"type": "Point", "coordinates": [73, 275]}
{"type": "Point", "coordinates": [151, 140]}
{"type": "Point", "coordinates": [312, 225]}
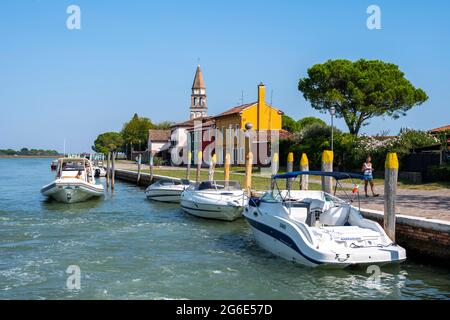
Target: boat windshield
{"type": "Point", "coordinates": [73, 166]}
{"type": "Point", "coordinates": [272, 196]}
{"type": "Point", "coordinates": [219, 185]}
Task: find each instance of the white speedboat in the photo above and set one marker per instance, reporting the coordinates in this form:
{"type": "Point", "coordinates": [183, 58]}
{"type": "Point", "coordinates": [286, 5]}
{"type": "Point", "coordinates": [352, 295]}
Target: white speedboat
{"type": "Point", "coordinates": [214, 200]}
{"type": "Point", "coordinates": [99, 171]}
{"type": "Point", "coordinates": [167, 190]}
{"type": "Point", "coordinates": [74, 182]}
{"type": "Point", "coordinates": [314, 228]}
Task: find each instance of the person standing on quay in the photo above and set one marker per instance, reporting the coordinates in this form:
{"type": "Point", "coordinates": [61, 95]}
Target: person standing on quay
{"type": "Point", "coordinates": [367, 171]}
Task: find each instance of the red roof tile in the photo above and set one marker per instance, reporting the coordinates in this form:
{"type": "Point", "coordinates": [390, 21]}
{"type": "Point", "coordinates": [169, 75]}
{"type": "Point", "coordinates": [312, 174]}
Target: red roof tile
{"type": "Point", "coordinates": [440, 129]}
{"type": "Point", "coordinates": [159, 135]}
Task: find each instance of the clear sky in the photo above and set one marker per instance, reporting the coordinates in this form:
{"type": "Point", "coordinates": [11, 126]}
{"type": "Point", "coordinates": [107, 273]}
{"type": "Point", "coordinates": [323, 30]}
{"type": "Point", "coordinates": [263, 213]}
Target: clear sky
{"type": "Point", "coordinates": [140, 56]}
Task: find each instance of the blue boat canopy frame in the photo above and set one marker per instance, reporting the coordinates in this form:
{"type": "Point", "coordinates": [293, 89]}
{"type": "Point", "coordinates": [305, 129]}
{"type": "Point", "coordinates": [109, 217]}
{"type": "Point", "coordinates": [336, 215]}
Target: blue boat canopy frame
{"type": "Point", "coordinates": [337, 175]}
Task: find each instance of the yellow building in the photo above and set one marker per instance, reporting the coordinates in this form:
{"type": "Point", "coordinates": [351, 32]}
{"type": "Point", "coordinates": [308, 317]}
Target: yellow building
{"type": "Point", "coordinates": [261, 115]}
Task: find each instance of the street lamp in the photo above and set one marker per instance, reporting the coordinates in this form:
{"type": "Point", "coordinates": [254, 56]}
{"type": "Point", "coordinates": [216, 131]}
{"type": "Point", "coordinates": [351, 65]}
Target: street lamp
{"type": "Point", "coordinates": [332, 112]}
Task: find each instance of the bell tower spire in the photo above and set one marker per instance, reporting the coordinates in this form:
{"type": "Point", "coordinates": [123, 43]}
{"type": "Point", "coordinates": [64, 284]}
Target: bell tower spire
{"type": "Point", "coordinates": [198, 96]}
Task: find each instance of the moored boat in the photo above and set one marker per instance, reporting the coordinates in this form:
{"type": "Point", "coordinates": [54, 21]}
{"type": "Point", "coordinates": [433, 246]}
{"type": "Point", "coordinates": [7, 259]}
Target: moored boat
{"type": "Point", "coordinates": [74, 182]}
{"type": "Point", "coordinates": [221, 200]}
{"type": "Point", "coordinates": [167, 190]}
{"type": "Point", "coordinates": [315, 228]}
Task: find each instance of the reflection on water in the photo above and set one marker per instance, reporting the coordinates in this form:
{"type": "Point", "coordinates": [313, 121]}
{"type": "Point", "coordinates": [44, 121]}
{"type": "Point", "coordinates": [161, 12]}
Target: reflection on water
{"type": "Point", "coordinates": [128, 247]}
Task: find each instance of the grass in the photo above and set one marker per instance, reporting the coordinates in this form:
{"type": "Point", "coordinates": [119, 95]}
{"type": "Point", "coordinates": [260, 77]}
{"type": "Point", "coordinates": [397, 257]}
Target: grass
{"type": "Point", "coordinates": [263, 182]}
{"type": "Point", "coordinates": [259, 183]}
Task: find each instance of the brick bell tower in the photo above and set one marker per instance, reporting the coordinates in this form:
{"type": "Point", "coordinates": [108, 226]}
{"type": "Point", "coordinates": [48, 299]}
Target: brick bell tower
{"type": "Point", "coordinates": [198, 96]}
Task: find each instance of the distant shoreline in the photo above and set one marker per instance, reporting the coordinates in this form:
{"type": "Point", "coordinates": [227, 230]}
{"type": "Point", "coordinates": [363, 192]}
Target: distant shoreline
{"type": "Point", "coordinates": [24, 157]}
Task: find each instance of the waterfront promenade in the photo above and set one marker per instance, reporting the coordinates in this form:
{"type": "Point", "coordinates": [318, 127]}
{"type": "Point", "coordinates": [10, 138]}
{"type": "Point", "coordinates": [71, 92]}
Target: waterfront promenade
{"type": "Point", "coordinates": [429, 204]}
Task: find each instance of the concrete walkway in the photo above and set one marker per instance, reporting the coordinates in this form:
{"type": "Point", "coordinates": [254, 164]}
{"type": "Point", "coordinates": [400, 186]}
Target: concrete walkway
{"type": "Point", "coordinates": [430, 204]}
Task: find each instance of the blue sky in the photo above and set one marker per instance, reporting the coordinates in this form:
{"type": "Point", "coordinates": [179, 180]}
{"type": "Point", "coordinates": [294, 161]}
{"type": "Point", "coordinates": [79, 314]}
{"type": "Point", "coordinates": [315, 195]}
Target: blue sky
{"type": "Point", "coordinates": [140, 56]}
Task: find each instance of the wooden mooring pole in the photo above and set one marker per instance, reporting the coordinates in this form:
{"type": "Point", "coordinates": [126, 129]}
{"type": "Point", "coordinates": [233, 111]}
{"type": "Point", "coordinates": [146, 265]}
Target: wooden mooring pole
{"type": "Point", "coordinates": [139, 168]}
{"type": "Point", "coordinates": [199, 166]}
{"type": "Point", "coordinates": [390, 194]}
{"type": "Point", "coordinates": [188, 167]}
{"type": "Point", "coordinates": [304, 166]}
{"type": "Point", "coordinates": [108, 170]}
{"type": "Point", "coordinates": [248, 172]}
{"type": "Point", "coordinates": [289, 168]}
{"type": "Point", "coordinates": [113, 173]}
{"type": "Point", "coordinates": [273, 169]}
{"type": "Point", "coordinates": [226, 168]}
{"type": "Point", "coordinates": [327, 166]}
{"type": "Point", "coordinates": [151, 165]}
{"type": "Point", "coordinates": [212, 167]}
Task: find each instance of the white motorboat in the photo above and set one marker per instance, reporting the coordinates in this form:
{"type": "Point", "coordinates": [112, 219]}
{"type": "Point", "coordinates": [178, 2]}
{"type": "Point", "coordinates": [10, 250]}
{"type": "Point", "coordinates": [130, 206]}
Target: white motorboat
{"type": "Point", "coordinates": [99, 171]}
{"type": "Point", "coordinates": [315, 228]}
{"type": "Point", "coordinates": [167, 190]}
{"type": "Point", "coordinates": [222, 200]}
{"type": "Point", "coordinates": [74, 182]}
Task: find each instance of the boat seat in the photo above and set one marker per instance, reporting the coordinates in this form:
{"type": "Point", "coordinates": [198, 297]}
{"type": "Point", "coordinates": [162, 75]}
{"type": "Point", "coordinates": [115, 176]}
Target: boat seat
{"type": "Point", "coordinates": [335, 216]}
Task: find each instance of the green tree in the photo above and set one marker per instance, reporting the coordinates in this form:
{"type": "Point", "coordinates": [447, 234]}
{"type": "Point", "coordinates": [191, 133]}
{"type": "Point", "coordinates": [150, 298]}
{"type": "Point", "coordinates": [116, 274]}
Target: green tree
{"type": "Point", "coordinates": [164, 125]}
{"type": "Point", "coordinates": [108, 142]}
{"type": "Point", "coordinates": [289, 124]}
{"type": "Point", "coordinates": [304, 122]}
{"type": "Point", "coordinates": [360, 90]}
{"type": "Point", "coordinates": [135, 131]}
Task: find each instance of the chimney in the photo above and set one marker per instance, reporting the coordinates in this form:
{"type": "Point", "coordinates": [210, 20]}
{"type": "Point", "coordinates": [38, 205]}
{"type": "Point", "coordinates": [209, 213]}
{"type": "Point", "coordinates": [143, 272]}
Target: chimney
{"type": "Point", "coordinates": [261, 94]}
{"type": "Point", "coordinates": [261, 103]}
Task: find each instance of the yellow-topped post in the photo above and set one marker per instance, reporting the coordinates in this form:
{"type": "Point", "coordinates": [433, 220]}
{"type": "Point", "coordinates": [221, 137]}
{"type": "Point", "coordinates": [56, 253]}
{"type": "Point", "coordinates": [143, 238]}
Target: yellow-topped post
{"type": "Point", "coordinates": [327, 166]}
{"type": "Point", "coordinates": [289, 168]}
{"type": "Point", "coordinates": [304, 166]}
{"type": "Point", "coordinates": [199, 165]}
{"type": "Point", "coordinates": [390, 193]}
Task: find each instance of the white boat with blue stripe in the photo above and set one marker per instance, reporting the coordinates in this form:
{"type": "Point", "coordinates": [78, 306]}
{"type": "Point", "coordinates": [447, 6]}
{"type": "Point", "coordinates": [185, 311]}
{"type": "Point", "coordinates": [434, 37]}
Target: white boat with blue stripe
{"type": "Point", "coordinates": [315, 228]}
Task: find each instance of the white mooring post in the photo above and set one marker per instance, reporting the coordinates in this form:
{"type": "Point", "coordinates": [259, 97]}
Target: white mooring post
{"type": "Point", "coordinates": [390, 194]}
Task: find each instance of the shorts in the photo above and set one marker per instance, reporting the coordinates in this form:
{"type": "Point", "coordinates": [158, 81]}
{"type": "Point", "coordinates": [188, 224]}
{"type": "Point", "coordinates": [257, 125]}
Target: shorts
{"type": "Point", "coordinates": [368, 177]}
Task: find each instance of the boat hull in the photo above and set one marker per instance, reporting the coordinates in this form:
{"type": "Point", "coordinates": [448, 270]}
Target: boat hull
{"type": "Point", "coordinates": [285, 239]}
{"type": "Point", "coordinates": [72, 192]}
{"type": "Point", "coordinates": [164, 195]}
{"type": "Point", "coordinates": [216, 211]}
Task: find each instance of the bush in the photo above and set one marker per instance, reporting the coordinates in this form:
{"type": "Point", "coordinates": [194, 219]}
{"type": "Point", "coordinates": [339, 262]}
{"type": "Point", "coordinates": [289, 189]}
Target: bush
{"type": "Point", "coordinates": [440, 173]}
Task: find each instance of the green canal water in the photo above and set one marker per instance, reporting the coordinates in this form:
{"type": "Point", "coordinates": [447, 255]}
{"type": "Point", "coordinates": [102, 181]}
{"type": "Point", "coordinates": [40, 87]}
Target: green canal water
{"type": "Point", "coordinates": [130, 248]}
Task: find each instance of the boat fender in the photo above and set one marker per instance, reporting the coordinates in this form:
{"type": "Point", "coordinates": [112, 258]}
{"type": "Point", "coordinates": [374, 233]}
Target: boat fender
{"type": "Point", "coordinates": [337, 257]}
